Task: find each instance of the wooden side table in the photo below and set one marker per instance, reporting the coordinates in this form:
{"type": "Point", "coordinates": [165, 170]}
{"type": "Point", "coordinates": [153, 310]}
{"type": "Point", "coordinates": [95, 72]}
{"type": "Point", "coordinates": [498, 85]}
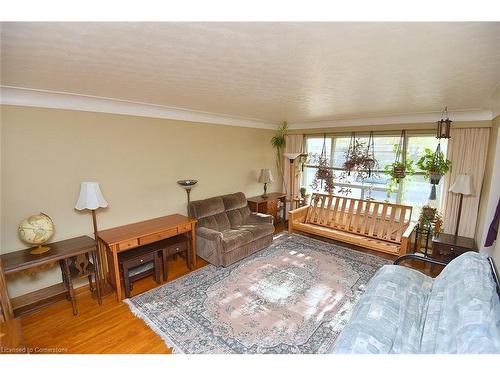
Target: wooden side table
{"type": "Point", "coordinates": [61, 252]}
{"type": "Point", "coordinates": [268, 205]}
{"type": "Point", "coordinates": [448, 246]}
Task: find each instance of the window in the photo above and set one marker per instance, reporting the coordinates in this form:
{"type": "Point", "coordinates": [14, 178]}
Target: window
{"type": "Point", "coordinates": [412, 190]}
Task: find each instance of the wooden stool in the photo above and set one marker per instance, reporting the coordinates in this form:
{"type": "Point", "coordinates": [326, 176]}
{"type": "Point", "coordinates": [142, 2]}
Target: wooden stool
{"type": "Point", "coordinates": [139, 263]}
{"type": "Point", "coordinates": [171, 247]}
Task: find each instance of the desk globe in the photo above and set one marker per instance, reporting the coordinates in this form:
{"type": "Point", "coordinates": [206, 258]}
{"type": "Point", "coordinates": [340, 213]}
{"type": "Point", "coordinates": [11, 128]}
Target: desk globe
{"type": "Point", "coordinates": [36, 230]}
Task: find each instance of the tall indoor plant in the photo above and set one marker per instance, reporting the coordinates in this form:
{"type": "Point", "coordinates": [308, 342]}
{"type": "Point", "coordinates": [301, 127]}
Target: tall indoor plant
{"type": "Point", "coordinates": [278, 141]}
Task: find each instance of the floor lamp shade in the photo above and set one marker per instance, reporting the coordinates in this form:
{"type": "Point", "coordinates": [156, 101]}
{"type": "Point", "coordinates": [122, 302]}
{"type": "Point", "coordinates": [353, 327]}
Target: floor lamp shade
{"type": "Point", "coordinates": [90, 197]}
{"type": "Point", "coordinates": [462, 185]}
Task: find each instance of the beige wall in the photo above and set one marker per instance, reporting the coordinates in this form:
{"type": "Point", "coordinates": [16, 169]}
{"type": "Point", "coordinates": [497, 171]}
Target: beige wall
{"type": "Point", "coordinates": [46, 153]}
{"type": "Point", "coordinates": [490, 193]}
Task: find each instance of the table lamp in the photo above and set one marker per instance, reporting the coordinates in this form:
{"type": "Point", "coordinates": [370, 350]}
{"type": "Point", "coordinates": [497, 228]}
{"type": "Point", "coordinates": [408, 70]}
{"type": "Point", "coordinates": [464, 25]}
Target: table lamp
{"type": "Point", "coordinates": [265, 178]}
{"type": "Point", "coordinates": [462, 186]}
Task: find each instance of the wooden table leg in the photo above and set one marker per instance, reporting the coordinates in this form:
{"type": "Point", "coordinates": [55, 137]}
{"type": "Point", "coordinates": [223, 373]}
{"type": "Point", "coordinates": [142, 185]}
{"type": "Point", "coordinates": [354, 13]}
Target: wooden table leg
{"type": "Point", "coordinates": [69, 285]}
{"type": "Point", "coordinates": [193, 246]}
{"type": "Point", "coordinates": [165, 264]}
{"type": "Point", "coordinates": [118, 284]}
{"type": "Point", "coordinates": [97, 273]}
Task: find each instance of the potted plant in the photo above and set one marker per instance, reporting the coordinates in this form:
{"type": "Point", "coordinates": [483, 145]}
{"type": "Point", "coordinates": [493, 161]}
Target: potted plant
{"type": "Point", "coordinates": [304, 195]}
{"type": "Point", "coordinates": [278, 141]}
{"type": "Point", "coordinates": [430, 217]}
{"type": "Point", "coordinates": [356, 155]}
{"type": "Point", "coordinates": [434, 164]}
{"type": "Point", "coordinates": [399, 170]}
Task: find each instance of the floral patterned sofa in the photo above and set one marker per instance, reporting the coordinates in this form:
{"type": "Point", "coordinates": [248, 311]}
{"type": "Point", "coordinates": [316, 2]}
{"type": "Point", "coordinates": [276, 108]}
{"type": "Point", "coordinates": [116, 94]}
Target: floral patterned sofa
{"type": "Point", "coordinates": [404, 311]}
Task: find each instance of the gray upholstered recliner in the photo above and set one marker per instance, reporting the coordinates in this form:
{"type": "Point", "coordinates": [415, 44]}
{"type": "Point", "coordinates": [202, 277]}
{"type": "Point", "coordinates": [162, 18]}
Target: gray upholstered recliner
{"type": "Point", "coordinates": [227, 231]}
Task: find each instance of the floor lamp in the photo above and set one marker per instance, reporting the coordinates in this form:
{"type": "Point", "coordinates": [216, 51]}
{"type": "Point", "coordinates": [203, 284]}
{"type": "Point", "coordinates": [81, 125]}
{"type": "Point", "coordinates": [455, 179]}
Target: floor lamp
{"type": "Point", "coordinates": [462, 186]}
{"type": "Point", "coordinates": [91, 198]}
{"type": "Point", "coordinates": [291, 157]}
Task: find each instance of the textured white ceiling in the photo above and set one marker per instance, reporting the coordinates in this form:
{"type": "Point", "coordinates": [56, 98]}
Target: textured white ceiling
{"type": "Point", "coordinates": [269, 71]}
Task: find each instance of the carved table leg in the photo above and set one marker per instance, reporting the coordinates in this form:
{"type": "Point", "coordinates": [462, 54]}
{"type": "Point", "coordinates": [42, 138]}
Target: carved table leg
{"type": "Point", "coordinates": [69, 285]}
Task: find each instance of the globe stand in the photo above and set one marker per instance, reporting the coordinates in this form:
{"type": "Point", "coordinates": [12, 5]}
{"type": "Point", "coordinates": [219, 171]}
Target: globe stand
{"type": "Point", "coordinates": [39, 250]}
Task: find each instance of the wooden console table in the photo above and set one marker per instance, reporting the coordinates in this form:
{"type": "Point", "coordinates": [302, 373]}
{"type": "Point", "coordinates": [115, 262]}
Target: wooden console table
{"type": "Point", "coordinates": [268, 205]}
{"type": "Point", "coordinates": [130, 236]}
{"type": "Point", "coordinates": [61, 252]}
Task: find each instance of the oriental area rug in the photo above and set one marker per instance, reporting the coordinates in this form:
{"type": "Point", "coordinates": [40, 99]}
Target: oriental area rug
{"type": "Point", "coordinates": [296, 296]}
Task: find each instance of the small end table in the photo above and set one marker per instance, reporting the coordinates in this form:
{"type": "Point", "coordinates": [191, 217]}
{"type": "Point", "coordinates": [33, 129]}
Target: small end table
{"type": "Point", "coordinates": [448, 246]}
{"type": "Point", "coordinates": [268, 205]}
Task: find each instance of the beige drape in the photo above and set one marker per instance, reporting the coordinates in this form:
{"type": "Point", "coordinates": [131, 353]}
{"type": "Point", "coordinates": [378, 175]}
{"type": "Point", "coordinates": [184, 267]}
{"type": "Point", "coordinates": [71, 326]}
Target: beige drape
{"type": "Point", "coordinates": [467, 150]}
{"type": "Point", "coordinates": [294, 143]}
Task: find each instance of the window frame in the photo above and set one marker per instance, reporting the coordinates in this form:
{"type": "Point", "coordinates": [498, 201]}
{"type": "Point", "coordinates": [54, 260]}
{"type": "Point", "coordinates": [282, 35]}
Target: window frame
{"type": "Point", "coordinates": [365, 187]}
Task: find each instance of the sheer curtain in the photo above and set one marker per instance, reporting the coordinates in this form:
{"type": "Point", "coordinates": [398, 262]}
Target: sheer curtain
{"type": "Point", "coordinates": [467, 150]}
{"type": "Point", "coordinates": [294, 143]}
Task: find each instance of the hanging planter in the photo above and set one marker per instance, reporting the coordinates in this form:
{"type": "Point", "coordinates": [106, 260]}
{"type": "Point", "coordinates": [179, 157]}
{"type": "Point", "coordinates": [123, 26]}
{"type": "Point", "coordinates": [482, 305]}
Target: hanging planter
{"type": "Point", "coordinates": [350, 162]}
{"type": "Point", "coordinates": [323, 178]}
{"type": "Point", "coordinates": [399, 168]}
{"type": "Point", "coordinates": [435, 165]}
{"type": "Point", "coordinates": [360, 157]}
{"type": "Point", "coordinates": [369, 162]}
{"type": "Point", "coordinates": [435, 177]}
{"type": "Point", "coordinates": [399, 171]}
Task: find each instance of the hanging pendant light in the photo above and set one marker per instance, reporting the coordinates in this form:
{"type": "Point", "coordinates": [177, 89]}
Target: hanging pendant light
{"type": "Point", "coordinates": [444, 125]}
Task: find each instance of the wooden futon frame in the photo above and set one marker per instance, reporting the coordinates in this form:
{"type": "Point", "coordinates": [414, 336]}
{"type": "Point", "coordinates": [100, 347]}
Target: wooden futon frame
{"type": "Point", "coordinates": [379, 226]}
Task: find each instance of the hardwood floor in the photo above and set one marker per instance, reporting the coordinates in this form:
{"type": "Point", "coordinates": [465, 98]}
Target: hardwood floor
{"type": "Point", "coordinates": [111, 327]}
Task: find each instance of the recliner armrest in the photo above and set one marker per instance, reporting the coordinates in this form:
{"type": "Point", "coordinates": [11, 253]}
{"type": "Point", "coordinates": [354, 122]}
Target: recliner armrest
{"type": "Point", "coordinates": [258, 218]}
{"type": "Point", "coordinates": [209, 234]}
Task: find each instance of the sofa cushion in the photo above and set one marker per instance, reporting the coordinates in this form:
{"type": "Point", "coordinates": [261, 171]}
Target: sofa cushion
{"type": "Point", "coordinates": [235, 238]}
{"type": "Point", "coordinates": [234, 201]}
{"type": "Point", "coordinates": [257, 230]}
{"type": "Point", "coordinates": [353, 238]}
{"type": "Point", "coordinates": [222, 221]}
{"type": "Point", "coordinates": [238, 216]}
{"type": "Point", "coordinates": [389, 317]}
{"type": "Point", "coordinates": [235, 217]}
{"type": "Point", "coordinates": [206, 207]}
{"type": "Point", "coordinates": [464, 309]}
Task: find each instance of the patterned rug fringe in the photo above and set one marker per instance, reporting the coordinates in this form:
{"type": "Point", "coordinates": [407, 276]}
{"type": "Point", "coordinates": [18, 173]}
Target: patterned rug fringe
{"type": "Point", "coordinates": [167, 340]}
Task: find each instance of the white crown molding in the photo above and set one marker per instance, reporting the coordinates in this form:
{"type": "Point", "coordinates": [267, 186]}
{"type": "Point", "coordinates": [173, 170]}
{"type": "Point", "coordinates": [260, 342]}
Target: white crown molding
{"type": "Point", "coordinates": [61, 100]}
{"type": "Point", "coordinates": [417, 118]}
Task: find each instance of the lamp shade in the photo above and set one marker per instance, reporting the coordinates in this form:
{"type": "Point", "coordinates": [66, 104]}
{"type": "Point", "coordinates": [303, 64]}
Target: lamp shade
{"type": "Point", "coordinates": [265, 176]}
{"type": "Point", "coordinates": [90, 197]}
{"type": "Point", "coordinates": [462, 185]}
{"type": "Point", "coordinates": [292, 155]}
